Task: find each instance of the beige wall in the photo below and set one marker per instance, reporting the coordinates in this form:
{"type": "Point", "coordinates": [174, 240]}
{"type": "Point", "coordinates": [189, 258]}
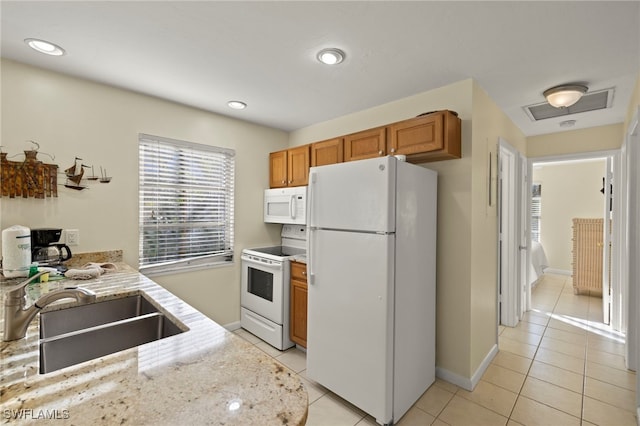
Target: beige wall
{"type": "Point", "coordinates": [633, 105]}
{"type": "Point", "coordinates": [489, 124]}
{"type": "Point", "coordinates": [569, 190]}
{"type": "Point", "coordinates": [70, 117]}
{"type": "Point", "coordinates": [600, 138]}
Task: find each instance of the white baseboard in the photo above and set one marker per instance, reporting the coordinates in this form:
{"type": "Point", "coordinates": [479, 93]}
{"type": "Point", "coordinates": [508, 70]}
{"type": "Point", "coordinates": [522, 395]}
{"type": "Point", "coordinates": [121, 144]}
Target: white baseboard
{"type": "Point", "coordinates": [232, 326]}
{"type": "Point", "coordinates": [464, 382]}
{"type": "Point", "coordinates": [557, 271]}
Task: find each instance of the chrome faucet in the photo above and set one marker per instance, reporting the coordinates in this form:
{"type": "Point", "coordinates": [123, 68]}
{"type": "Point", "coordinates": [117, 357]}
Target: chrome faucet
{"type": "Point", "coordinates": [17, 318]}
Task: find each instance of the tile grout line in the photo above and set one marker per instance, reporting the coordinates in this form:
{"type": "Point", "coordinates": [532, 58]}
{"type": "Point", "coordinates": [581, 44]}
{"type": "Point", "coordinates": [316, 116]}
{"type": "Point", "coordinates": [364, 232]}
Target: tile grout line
{"type": "Point", "coordinates": [531, 364]}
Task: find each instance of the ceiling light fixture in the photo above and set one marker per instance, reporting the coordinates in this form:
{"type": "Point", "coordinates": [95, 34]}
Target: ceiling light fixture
{"type": "Point", "coordinates": [565, 96]}
{"type": "Point", "coordinates": [331, 56]}
{"type": "Point", "coordinates": [44, 46]}
{"type": "Point", "coordinates": [236, 104]}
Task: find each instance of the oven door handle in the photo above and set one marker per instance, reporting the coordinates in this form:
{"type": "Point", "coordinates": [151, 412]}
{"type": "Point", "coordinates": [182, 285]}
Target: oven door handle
{"type": "Point", "coordinates": [271, 266]}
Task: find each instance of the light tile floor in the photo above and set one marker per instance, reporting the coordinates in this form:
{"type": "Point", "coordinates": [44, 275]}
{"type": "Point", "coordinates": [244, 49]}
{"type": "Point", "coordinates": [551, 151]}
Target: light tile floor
{"type": "Point", "coordinates": [560, 366]}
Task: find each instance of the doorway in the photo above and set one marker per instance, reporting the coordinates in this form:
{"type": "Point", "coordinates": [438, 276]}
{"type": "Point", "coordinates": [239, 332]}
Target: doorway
{"type": "Point", "coordinates": [574, 219]}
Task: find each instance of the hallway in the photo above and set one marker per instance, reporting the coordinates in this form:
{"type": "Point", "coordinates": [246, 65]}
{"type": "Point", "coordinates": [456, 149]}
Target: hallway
{"type": "Point", "coordinates": [560, 366]}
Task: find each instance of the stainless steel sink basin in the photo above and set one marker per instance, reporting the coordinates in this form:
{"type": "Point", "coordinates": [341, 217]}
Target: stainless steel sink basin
{"type": "Point", "coordinates": [81, 333]}
{"type": "Point", "coordinates": [55, 323]}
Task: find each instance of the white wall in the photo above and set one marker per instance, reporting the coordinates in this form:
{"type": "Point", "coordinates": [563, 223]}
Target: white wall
{"type": "Point", "coordinates": [70, 117]}
{"type": "Point", "coordinates": [569, 190]}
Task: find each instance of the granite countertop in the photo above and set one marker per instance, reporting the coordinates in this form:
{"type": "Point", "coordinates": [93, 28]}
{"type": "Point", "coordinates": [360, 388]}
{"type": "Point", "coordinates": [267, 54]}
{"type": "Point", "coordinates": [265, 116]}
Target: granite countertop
{"type": "Point", "coordinates": [196, 377]}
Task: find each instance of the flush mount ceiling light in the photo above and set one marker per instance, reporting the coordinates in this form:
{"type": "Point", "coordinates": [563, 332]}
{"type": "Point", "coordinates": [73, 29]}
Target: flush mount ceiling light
{"type": "Point", "coordinates": [44, 46]}
{"type": "Point", "coordinates": [565, 96]}
{"type": "Point", "coordinates": [331, 56]}
{"type": "Point", "coordinates": [236, 104]}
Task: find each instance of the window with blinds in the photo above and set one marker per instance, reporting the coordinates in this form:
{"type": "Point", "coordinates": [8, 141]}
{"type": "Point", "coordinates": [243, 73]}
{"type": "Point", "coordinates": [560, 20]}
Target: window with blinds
{"type": "Point", "coordinates": [186, 204]}
{"type": "Point", "coordinates": [536, 209]}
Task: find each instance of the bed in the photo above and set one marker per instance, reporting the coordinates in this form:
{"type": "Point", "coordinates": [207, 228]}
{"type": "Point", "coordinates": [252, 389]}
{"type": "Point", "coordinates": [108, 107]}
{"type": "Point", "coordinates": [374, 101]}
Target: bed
{"type": "Point", "coordinates": [538, 263]}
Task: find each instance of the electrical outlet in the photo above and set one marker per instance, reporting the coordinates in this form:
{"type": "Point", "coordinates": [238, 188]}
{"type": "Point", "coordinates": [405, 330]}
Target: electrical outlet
{"type": "Point", "coordinates": [72, 237]}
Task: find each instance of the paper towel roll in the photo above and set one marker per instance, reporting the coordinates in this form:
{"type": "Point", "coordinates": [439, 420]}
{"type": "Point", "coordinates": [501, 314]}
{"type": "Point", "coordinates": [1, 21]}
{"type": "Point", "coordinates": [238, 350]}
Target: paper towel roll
{"type": "Point", "coordinates": [16, 251]}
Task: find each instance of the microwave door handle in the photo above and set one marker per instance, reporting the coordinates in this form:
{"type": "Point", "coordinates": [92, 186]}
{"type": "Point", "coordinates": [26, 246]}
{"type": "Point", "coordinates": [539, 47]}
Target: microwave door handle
{"type": "Point", "coordinates": [292, 207]}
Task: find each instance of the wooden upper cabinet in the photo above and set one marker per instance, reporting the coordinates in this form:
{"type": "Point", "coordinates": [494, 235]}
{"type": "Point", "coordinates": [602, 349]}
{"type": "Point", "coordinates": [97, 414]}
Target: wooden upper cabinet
{"type": "Point", "coordinates": [430, 137]}
{"type": "Point", "coordinates": [366, 144]}
{"type": "Point", "coordinates": [427, 138]}
{"type": "Point", "coordinates": [298, 166]}
{"type": "Point", "coordinates": [327, 152]}
{"type": "Point", "coordinates": [278, 169]}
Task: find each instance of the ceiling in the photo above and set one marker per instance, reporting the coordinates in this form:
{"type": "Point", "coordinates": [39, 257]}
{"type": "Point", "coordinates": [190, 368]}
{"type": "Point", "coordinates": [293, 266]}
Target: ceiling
{"type": "Point", "coordinates": [206, 53]}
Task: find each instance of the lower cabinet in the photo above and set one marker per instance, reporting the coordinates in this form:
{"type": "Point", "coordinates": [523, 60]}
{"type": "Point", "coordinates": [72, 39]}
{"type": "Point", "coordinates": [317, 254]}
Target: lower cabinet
{"type": "Point", "coordinates": [298, 304]}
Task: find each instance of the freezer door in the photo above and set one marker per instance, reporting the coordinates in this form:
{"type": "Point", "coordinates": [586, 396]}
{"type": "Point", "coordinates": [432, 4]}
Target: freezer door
{"type": "Point", "coordinates": [356, 195]}
{"type": "Point", "coordinates": [350, 317]}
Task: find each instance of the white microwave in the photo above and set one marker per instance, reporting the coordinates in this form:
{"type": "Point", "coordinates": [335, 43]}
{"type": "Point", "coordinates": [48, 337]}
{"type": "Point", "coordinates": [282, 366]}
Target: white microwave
{"type": "Point", "coordinates": [286, 205]}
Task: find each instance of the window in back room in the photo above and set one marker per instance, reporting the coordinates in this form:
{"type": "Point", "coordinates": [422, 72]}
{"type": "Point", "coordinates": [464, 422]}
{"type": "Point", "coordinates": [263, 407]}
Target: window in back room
{"type": "Point", "coordinates": [536, 210]}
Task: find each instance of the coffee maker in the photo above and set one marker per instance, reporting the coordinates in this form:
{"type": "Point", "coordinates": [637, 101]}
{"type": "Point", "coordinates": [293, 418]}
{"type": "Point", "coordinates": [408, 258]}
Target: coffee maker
{"type": "Point", "coordinates": [46, 250]}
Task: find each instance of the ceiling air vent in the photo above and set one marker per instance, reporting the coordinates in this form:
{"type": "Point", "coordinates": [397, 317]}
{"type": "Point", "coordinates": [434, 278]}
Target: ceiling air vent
{"type": "Point", "coordinates": [591, 101]}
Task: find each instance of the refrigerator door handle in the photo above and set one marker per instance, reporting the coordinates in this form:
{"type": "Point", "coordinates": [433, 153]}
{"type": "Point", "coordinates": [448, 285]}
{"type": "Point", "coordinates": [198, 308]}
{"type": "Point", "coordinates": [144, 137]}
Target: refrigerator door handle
{"type": "Point", "coordinates": [311, 276]}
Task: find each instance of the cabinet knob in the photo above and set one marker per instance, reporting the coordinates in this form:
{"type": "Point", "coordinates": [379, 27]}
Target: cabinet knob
{"type": "Point", "coordinates": [379, 152]}
{"type": "Point", "coordinates": [290, 181]}
{"type": "Point", "coordinates": [393, 150]}
{"type": "Point", "coordinates": [304, 273]}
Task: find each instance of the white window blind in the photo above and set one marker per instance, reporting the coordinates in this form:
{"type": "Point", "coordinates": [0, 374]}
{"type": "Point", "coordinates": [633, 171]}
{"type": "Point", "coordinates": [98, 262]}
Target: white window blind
{"type": "Point", "coordinates": [536, 211]}
{"type": "Point", "coordinates": [186, 204]}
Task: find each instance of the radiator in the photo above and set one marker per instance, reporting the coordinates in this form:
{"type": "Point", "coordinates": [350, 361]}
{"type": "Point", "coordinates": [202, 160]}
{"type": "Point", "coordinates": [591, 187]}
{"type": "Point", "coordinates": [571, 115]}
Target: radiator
{"type": "Point", "coordinates": [587, 255]}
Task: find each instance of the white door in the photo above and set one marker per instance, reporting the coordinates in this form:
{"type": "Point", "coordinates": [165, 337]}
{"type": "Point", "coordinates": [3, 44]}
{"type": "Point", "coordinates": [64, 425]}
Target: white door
{"type": "Point", "coordinates": [356, 195]}
{"type": "Point", "coordinates": [508, 234]}
{"type": "Point", "coordinates": [523, 232]}
{"type": "Point", "coordinates": [606, 246]}
{"type": "Point", "coordinates": [350, 317]}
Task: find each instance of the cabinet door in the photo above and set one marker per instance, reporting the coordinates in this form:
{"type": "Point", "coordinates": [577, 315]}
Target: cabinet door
{"type": "Point", "coordinates": [367, 144]}
{"type": "Point", "coordinates": [327, 152]}
{"type": "Point", "coordinates": [278, 169]}
{"type": "Point", "coordinates": [298, 327]}
{"type": "Point", "coordinates": [418, 135]}
{"type": "Point", "coordinates": [298, 166]}
{"type": "Point", "coordinates": [298, 320]}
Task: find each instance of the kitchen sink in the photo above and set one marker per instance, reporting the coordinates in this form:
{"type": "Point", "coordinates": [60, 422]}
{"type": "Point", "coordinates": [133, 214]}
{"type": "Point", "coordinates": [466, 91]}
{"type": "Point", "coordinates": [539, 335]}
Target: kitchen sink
{"type": "Point", "coordinates": [81, 333]}
{"type": "Point", "coordinates": [81, 317]}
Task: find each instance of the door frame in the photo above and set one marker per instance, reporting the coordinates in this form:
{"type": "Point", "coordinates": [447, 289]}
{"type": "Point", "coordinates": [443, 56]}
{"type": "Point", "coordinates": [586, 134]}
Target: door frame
{"type": "Point", "coordinates": [510, 294]}
{"type": "Point", "coordinates": [630, 269]}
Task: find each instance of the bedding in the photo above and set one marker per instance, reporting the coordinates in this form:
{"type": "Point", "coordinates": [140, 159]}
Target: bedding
{"type": "Point", "coordinates": [538, 263]}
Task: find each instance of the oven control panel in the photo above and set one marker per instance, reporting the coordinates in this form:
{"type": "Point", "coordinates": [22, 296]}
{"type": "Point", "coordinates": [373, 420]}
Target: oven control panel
{"type": "Point", "coordinates": [259, 259]}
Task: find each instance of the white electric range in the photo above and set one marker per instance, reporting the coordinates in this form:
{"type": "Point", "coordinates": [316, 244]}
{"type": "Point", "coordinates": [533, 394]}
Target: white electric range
{"type": "Point", "coordinates": [264, 295]}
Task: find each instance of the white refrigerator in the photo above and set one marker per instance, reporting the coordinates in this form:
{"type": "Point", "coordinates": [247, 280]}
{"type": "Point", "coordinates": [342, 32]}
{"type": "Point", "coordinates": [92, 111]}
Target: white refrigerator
{"type": "Point", "coordinates": [371, 275]}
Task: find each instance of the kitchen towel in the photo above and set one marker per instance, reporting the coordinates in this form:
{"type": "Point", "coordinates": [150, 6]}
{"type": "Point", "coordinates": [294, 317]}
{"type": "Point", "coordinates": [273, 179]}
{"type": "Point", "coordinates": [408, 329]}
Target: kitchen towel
{"type": "Point", "coordinates": [90, 270]}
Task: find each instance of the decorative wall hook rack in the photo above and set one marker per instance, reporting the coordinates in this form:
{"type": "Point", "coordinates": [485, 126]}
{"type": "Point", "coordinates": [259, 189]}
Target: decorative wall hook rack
{"type": "Point", "coordinates": [30, 178]}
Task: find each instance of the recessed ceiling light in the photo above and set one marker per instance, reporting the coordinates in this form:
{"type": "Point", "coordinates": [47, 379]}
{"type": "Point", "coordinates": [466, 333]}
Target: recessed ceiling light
{"type": "Point", "coordinates": [331, 56]}
{"type": "Point", "coordinates": [237, 104]}
{"type": "Point", "coordinates": [45, 47]}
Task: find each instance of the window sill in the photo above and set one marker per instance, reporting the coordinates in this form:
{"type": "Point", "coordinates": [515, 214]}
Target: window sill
{"type": "Point", "coordinates": [155, 271]}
